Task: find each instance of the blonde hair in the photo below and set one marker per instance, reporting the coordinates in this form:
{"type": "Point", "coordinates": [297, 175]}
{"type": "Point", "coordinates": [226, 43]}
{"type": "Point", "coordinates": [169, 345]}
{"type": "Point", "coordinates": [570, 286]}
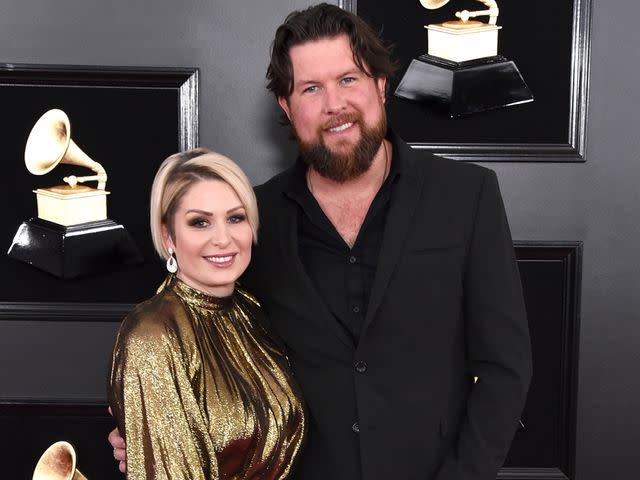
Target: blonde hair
{"type": "Point", "coordinates": [182, 170]}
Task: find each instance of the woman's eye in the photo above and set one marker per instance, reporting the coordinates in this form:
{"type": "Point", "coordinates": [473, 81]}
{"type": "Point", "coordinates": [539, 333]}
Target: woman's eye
{"type": "Point", "coordinates": [237, 218]}
{"type": "Point", "coordinates": [198, 223]}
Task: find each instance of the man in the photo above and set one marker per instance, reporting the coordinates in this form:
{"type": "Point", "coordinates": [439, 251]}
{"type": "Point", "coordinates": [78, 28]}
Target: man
{"type": "Point", "coordinates": [388, 273]}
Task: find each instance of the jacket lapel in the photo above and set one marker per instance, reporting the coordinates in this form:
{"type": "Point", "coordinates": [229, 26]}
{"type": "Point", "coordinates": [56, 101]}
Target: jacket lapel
{"type": "Point", "coordinates": [400, 217]}
{"type": "Point", "coordinates": [308, 295]}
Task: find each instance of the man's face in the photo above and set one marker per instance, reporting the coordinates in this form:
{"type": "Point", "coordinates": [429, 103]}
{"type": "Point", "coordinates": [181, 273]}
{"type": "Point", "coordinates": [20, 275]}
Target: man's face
{"type": "Point", "coordinates": [336, 110]}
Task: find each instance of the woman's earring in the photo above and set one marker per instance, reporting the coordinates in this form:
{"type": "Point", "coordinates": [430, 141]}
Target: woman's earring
{"type": "Point", "coordinates": [172, 263]}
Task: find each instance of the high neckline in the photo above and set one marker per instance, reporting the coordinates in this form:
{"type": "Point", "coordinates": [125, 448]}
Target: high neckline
{"type": "Point", "coordinates": [195, 297]}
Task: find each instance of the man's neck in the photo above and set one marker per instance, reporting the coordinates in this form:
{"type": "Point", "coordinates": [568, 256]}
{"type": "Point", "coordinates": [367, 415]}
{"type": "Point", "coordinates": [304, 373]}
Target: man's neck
{"type": "Point", "coordinates": [346, 203]}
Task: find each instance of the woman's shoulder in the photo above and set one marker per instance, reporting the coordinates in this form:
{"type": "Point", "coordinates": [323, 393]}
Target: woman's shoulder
{"type": "Point", "coordinates": [154, 318]}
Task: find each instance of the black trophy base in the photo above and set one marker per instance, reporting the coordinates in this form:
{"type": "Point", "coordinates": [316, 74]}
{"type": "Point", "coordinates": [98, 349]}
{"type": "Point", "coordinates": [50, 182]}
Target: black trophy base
{"type": "Point", "coordinates": [76, 250]}
{"type": "Point", "coordinates": [462, 88]}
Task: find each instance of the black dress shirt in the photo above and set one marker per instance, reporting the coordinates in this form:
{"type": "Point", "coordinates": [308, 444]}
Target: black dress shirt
{"type": "Point", "coordinates": [343, 276]}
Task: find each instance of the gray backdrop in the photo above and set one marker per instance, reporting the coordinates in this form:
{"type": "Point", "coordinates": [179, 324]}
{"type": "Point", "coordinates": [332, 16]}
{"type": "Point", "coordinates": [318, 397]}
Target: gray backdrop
{"type": "Point", "coordinates": [595, 202]}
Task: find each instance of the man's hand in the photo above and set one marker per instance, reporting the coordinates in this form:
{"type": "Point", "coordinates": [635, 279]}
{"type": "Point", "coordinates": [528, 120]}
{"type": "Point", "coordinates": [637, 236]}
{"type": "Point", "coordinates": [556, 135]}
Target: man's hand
{"type": "Point", "coordinates": [119, 451]}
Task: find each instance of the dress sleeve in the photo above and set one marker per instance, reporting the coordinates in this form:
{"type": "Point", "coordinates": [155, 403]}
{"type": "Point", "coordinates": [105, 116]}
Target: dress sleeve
{"type": "Point", "coordinates": [157, 412]}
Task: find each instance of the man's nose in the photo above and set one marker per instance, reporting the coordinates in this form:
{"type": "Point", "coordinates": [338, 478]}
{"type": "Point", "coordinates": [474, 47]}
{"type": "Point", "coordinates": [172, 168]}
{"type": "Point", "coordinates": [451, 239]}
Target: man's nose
{"type": "Point", "coordinates": [334, 99]}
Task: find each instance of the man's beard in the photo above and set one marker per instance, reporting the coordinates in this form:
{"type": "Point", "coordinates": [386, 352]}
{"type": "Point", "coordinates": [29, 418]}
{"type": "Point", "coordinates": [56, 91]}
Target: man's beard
{"type": "Point", "coordinates": [341, 167]}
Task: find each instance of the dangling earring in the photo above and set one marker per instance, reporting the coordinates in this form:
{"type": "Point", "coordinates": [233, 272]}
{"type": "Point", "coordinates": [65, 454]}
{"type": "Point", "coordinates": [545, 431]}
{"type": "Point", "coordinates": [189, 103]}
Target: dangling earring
{"type": "Point", "coordinates": [172, 263]}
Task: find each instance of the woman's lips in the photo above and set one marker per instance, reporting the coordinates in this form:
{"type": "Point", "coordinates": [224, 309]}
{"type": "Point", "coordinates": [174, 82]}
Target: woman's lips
{"type": "Point", "coordinates": [221, 260]}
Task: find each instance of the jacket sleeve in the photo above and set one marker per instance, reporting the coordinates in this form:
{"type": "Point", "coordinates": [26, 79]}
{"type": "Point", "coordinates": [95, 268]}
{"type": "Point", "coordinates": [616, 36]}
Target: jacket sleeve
{"type": "Point", "coordinates": [156, 410]}
{"type": "Point", "coordinates": [497, 342]}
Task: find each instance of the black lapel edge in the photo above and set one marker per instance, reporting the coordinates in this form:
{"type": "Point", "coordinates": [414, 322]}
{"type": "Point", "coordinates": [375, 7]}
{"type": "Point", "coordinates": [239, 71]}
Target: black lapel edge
{"type": "Point", "coordinates": [401, 213]}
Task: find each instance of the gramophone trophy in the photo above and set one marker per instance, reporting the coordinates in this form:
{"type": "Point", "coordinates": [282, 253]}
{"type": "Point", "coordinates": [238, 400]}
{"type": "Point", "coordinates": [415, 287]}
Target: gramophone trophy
{"type": "Point", "coordinates": [462, 72]}
{"type": "Point", "coordinates": [58, 462]}
{"type": "Point", "coordinates": [71, 235]}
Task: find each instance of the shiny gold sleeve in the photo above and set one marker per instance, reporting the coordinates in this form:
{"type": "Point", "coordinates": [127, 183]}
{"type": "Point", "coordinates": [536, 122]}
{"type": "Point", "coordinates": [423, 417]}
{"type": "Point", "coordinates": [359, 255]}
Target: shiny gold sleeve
{"type": "Point", "coordinates": [157, 412]}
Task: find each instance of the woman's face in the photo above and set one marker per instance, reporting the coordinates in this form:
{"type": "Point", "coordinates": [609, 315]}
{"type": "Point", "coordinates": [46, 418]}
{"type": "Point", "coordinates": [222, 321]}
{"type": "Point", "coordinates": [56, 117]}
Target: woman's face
{"type": "Point", "coordinates": [212, 238]}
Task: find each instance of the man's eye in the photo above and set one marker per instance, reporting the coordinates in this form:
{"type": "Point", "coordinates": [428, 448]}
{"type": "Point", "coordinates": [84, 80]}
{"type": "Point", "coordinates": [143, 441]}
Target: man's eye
{"type": "Point", "coordinates": [237, 218]}
{"type": "Point", "coordinates": [348, 80]}
{"type": "Point", "coordinates": [311, 89]}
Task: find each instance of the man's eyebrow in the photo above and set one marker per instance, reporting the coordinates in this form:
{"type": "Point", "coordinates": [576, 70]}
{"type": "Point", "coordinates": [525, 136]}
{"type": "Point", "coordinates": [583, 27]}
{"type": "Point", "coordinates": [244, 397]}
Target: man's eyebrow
{"type": "Point", "coordinates": [351, 71]}
{"type": "Point", "coordinates": [299, 83]}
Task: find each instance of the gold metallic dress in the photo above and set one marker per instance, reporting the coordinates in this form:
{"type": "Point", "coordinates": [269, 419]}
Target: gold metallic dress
{"type": "Point", "coordinates": [200, 389]}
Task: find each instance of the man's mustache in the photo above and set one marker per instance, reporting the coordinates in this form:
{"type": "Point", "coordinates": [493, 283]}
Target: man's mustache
{"type": "Point", "coordinates": [340, 120]}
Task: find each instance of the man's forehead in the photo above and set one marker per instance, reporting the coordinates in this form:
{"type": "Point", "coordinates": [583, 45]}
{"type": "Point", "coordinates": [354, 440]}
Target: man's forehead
{"type": "Point", "coordinates": [335, 44]}
{"type": "Point", "coordinates": [335, 51]}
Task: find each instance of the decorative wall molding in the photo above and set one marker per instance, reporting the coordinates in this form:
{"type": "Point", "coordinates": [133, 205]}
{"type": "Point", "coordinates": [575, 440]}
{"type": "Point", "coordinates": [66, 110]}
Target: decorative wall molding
{"type": "Point", "coordinates": [120, 112]}
{"type": "Point", "coordinates": [531, 474]}
{"type": "Point", "coordinates": [185, 80]}
{"type": "Point", "coordinates": [108, 312]}
{"type": "Point", "coordinates": [551, 277]}
{"type": "Point", "coordinates": [573, 149]}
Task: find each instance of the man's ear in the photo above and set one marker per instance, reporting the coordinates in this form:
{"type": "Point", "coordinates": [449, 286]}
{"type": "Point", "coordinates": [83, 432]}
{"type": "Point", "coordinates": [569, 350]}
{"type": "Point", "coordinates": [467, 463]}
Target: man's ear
{"type": "Point", "coordinates": [284, 104]}
{"type": "Point", "coordinates": [382, 86]}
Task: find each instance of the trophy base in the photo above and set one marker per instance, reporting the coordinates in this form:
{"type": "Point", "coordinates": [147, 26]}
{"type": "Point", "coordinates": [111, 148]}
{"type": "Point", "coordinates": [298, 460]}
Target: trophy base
{"type": "Point", "coordinates": [68, 206]}
{"type": "Point", "coordinates": [462, 88]}
{"type": "Point", "coordinates": [76, 250]}
{"type": "Point", "coordinates": [462, 41]}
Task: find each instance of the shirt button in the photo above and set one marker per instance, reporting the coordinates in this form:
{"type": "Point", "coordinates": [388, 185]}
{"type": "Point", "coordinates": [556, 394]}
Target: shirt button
{"type": "Point", "coordinates": [355, 428]}
{"type": "Point", "coordinates": [360, 366]}
{"type": "Point", "coordinates": [352, 259]}
{"type": "Point", "coordinates": [356, 309]}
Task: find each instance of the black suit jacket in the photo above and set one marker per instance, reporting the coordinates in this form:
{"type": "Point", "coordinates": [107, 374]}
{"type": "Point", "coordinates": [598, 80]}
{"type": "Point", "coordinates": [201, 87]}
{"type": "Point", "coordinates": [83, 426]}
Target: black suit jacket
{"type": "Point", "coordinates": [446, 306]}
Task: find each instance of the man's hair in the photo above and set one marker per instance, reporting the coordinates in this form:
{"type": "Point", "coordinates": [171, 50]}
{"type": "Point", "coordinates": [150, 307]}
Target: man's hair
{"type": "Point", "coordinates": [325, 21]}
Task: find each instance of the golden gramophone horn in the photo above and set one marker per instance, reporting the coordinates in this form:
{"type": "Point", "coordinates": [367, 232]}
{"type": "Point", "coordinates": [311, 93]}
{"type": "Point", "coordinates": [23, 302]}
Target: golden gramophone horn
{"type": "Point", "coordinates": [58, 462]}
{"type": "Point", "coordinates": [433, 4]}
{"type": "Point", "coordinates": [50, 143]}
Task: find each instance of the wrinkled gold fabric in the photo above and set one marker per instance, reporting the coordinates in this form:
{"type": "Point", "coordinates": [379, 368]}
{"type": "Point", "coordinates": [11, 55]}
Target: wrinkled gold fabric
{"type": "Point", "coordinates": [200, 389]}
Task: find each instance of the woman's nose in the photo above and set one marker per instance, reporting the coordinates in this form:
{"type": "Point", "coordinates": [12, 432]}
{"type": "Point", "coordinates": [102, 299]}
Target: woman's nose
{"type": "Point", "coordinates": [220, 235]}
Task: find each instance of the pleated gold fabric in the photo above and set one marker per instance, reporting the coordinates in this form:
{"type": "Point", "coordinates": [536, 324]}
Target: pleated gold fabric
{"type": "Point", "coordinates": [200, 389]}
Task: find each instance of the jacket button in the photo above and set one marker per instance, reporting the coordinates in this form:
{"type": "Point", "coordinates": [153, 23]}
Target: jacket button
{"type": "Point", "coordinates": [361, 366]}
{"type": "Point", "coordinates": [355, 428]}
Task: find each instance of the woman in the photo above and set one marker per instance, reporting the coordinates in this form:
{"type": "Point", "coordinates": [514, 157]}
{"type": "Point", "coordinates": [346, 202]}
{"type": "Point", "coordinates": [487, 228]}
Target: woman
{"type": "Point", "coordinates": [199, 387]}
